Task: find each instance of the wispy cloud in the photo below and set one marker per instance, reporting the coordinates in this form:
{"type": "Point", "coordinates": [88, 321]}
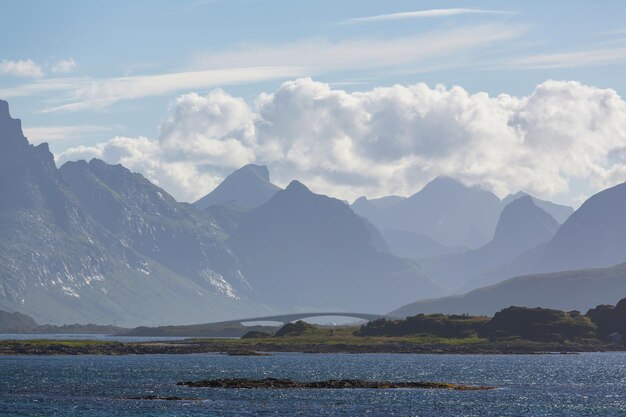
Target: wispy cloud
{"type": "Point", "coordinates": [420, 14]}
{"type": "Point", "coordinates": [24, 68]}
{"type": "Point", "coordinates": [59, 133]}
{"type": "Point", "coordinates": [318, 55]}
{"type": "Point", "coordinates": [100, 93]}
{"type": "Point", "coordinates": [64, 66]}
{"type": "Point", "coordinates": [572, 59]}
{"type": "Point", "coordinates": [270, 62]}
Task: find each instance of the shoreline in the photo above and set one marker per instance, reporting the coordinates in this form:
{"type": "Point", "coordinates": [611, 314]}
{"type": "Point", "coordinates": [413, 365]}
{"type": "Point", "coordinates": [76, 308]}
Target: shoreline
{"type": "Point", "coordinates": [264, 347]}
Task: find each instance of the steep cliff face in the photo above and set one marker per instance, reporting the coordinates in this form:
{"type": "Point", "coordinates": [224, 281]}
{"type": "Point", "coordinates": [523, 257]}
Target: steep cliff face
{"type": "Point", "coordinates": [88, 250]}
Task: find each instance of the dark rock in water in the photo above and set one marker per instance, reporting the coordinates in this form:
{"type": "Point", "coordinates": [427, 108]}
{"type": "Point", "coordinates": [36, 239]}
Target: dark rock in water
{"type": "Point", "coordinates": [273, 383]}
{"type": "Point", "coordinates": [294, 329]}
{"type": "Point", "coordinates": [254, 334]}
{"type": "Point", "coordinates": [162, 398]}
{"type": "Point", "coordinates": [246, 353]}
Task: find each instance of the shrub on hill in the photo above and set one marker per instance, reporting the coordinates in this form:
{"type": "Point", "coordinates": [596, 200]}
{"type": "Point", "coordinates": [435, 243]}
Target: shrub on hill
{"type": "Point", "coordinates": [452, 326]}
{"type": "Point", "coordinates": [540, 324]}
{"type": "Point", "coordinates": [610, 321]}
{"type": "Point", "coordinates": [298, 328]}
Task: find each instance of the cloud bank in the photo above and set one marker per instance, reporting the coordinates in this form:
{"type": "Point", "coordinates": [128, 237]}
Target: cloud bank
{"type": "Point", "coordinates": [24, 68]}
{"type": "Point", "coordinates": [388, 140]}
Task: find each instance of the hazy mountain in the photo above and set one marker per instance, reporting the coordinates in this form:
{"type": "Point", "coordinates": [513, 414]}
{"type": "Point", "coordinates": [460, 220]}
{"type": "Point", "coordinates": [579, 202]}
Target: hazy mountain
{"type": "Point", "coordinates": [249, 186]}
{"type": "Point", "coordinates": [149, 220]}
{"type": "Point", "coordinates": [558, 211]}
{"type": "Point", "coordinates": [373, 209]}
{"type": "Point", "coordinates": [68, 259]}
{"type": "Point", "coordinates": [593, 236]}
{"type": "Point", "coordinates": [570, 290]}
{"type": "Point", "coordinates": [413, 246]}
{"type": "Point", "coordinates": [444, 210]}
{"type": "Point", "coordinates": [522, 226]}
{"type": "Point", "coordinates": [303, 250]}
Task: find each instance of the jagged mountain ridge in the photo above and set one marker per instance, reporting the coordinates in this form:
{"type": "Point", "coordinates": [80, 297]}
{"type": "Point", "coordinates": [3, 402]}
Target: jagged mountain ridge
{"type": "Point", "coordinates": [558, 211]}
{"type": "Point", "coordinates": [248, 186]}
{"type": "Point", "coordinates": [522, 226]}
{"type": "Point", "coordinates": [60, 264]}
{"type": "Point", "coordinates": [445, 211]}
{"type": "Point", "coordinates": [149, 220]}
{"type": "Point", "coordinates": [327, 257]}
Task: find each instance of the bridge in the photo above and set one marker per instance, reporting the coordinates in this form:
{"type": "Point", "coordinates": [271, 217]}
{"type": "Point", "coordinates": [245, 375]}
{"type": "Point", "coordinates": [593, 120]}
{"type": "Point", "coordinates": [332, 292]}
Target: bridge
{"type": "Point", "coordinates": [287, 318]}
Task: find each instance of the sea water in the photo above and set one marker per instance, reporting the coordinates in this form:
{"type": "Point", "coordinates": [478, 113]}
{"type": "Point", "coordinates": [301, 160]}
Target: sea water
{"type": "Point", "coordinates": [590, 384]}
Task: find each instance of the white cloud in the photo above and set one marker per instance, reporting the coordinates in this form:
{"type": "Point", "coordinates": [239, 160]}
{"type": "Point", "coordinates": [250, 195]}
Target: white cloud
{"type": "Point", "coordinates": [64, 66]}
{"type": "Point", "coordinates": [388, 140]}
{"type": "Point", "coordinates": [421, 14]}
{"type": "Point", "coordinates": [26, 68]}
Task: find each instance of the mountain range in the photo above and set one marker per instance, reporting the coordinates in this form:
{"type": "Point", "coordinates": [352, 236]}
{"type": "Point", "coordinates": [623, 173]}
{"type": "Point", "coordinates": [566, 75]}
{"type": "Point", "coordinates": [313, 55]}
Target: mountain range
{"type": "Point", "coordinates": [300, 248]}
{"type": "Point", "coordinates": [522, 226]}
{"type": "Point", "coordinates": [91, 242]}
{"type": "Point", "coordinates": [94, 242]}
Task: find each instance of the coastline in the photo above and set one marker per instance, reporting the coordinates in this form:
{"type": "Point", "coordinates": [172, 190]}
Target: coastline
{"type": "Point", "coordinates": [243, 347]}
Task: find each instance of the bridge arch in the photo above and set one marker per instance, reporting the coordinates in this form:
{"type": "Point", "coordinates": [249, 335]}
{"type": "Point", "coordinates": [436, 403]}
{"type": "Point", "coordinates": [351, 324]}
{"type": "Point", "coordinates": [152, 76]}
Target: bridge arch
{"type": "Point", "coordinates": [287, 318]}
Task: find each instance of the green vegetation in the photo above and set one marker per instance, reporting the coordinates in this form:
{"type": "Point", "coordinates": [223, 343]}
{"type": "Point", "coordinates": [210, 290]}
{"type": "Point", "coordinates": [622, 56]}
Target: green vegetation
{"type": "Point", "coordinates": [610, 321]}
{"type": "Point", "coordinates": [512, 330]}
{"type": "Point", "coordinates": [540, 324]}
{"type": "Point", "coordinates": [299, 328]}
{"type": "Point", "coordinates": [441, 325]}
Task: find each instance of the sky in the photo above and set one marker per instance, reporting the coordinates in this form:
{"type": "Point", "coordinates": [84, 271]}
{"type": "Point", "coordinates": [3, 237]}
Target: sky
{"type": "Point", "coordinates": [350, 97]}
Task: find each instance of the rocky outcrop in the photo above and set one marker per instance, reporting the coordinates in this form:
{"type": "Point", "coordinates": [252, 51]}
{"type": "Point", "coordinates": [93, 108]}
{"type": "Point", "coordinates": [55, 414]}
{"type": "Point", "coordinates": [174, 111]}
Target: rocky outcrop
{"type": "Point", "coordinates": [273, 383]}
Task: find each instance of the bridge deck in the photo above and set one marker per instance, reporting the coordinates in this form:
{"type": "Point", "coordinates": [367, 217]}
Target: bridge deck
{"type": "Point", "coordinates": [286, 318]}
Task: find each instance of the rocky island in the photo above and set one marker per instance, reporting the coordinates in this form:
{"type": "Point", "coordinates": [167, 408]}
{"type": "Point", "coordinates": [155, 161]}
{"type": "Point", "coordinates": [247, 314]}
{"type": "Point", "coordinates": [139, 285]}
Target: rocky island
{"type": "Point", "coordinates": [273, 383]}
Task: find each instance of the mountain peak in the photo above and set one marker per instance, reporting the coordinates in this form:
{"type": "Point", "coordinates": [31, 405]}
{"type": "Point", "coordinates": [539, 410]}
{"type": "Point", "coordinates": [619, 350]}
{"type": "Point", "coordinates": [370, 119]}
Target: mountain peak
{"type": "Point", "coordinates": [12, 139]}
{"type": "Point", "coordinates": [249, 186]}
{"type": "Point", "coordinates": [259, 170]}
{"type": "Point", "coordinates": [523, 220]}
{"type": "Point", "coordinates": [558, 211]}
{"type": "Point", "coordinates": [296, 185]}
{"type": "Point", "coordinates": [444, 181]}
{"type": "Point", "coordinates": [4, 109]}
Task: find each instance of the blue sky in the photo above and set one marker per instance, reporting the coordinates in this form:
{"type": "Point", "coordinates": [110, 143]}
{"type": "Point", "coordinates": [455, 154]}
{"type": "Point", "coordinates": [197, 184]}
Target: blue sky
{"type": "Point", "coordinates": [82, 72]}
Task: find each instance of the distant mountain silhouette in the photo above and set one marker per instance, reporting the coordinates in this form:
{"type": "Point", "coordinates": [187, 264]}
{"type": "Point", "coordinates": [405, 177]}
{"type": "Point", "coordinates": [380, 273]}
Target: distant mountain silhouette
{"type": "Point", "coordinates": [444, 210]}
{"type": "Point", "coordinates": [571, 290]}
{"type": "Point", "coordinates": [522, 226]}
{"type": "Point", "coordinates": [413, 246]}
{"type": "Point", "coordinates": [95, 243]}
{"type": "Point", "coordinates": [373, 209]}
{"type": "Point", "coordinates": [558, 211]}
{"type": "Point", "coordinates": [593, 236]}
{"type": "Point", "coordinates": [249, 186]}
{"type": "Point", "coordinates": [303, 250]}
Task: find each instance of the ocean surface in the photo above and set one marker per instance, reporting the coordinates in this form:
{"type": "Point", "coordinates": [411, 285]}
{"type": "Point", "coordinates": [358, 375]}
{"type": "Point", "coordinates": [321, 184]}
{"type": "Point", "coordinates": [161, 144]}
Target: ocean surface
{"type": "Point", "coordinates": [591, 384]}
